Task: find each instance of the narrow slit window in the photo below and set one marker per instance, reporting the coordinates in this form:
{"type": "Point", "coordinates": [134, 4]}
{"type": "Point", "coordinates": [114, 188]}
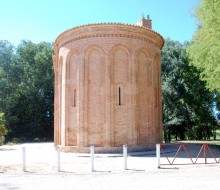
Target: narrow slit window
{"type": "Point", "coordinates": [74, 98]}
{"type": "Point", "coordinates": [119, 96]}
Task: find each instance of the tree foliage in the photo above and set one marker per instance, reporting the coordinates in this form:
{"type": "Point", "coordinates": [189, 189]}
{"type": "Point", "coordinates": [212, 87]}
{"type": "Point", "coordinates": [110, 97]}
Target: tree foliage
{"type": "Point", "coordinates": [26, 82]}
{"type": "Point", "coordinates": [205, 49]}
{"type": "Point", "coordinates": [187, 104]}
{"type": "Point", "coordinates": [3, 130]}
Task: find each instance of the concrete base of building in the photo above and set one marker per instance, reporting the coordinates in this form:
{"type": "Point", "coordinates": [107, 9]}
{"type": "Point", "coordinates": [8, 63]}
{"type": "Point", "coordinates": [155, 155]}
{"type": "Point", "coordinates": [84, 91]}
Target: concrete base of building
{"type": "Point", "coordinates": [117, 149]}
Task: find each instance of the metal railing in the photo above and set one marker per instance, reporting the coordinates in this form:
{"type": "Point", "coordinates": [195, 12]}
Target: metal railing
{"type": "Point", "coordinates": [178, 147]}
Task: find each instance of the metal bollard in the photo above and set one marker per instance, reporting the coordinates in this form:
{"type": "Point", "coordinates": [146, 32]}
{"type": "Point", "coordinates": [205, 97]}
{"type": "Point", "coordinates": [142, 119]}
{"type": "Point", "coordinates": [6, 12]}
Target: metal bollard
{"type": "Point", "coordinates": [158, 155]}
{"type": "Point", "coordinates": [125, 154]}
{"type": "Point", "coordinates": [92, 157]}
{"type": "Point", "coordinates": [24, 159]}
{"type": "Point", "coordinates": [58, 158]}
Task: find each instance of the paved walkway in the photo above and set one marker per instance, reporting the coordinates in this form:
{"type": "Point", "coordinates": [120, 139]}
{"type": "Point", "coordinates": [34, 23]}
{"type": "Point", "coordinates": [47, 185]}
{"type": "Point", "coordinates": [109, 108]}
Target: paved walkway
{"type": "Point", "coordinates": [109, 172]}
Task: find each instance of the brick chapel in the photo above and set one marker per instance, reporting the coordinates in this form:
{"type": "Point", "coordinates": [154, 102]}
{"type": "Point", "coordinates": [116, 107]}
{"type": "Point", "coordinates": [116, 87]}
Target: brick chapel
{"type": "Point", "coordinates": [108, 87]}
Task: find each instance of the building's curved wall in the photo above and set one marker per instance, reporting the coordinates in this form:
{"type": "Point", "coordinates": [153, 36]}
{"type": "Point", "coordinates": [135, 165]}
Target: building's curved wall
{"type": "Point", "coordinates": [95, 92]}
{"type": "Point", "coordinates": [119, 68]}
{"type": "Point", "coordinates": [71, 98]}
{"type": "Point", "coordinates": [143, 96]}
{"type": "Point", "coordinates": [107, 88]}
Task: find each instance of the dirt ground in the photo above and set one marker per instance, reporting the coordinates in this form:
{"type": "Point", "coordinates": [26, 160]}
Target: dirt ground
{"type": "Point", "coordinates": [142, 172]}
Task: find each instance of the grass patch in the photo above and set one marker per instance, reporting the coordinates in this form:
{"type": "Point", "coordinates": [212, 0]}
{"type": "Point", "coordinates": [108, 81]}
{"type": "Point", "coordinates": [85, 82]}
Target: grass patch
{"type": "Point", "coordinates": [211, 141]}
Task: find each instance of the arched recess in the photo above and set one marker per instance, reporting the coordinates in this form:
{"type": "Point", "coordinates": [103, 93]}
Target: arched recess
{"type": "Point", "coordinates": [95, 99]}
{"type": "Point", "coordinates": [144, 110]}
{"type": "Point", "coordinates": [72, 81]}
{"type": "Point", "coordinates": [119, 79]}
{"type": "Point", "coordinates": [57, 103]}
{"type": "Point", "coordinates": [157, 98]}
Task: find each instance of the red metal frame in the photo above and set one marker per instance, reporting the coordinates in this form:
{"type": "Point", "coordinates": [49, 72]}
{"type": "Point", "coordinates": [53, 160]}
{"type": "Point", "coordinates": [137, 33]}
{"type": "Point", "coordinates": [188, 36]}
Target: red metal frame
{"type": "Point", "coordinates": [205, 147]}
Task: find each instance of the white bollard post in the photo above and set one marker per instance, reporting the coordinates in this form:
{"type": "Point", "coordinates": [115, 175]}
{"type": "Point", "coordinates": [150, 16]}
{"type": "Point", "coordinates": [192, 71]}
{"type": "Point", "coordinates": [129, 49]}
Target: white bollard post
{"type": "Point", "coordinates": [158, 155]}
{"type": "Point", "coordinates": [58, 158]}
{"type": "Point", "coordinates": [125, 154]}
{"type": "Point", "coordinates": [24, 159]}
{"type": "Point", "coordinates": [92, 157]}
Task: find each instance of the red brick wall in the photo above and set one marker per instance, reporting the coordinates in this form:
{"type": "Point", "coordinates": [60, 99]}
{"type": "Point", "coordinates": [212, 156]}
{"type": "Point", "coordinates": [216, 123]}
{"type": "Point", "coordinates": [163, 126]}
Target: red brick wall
{"type": "Point", "coordinates": [107, 93]}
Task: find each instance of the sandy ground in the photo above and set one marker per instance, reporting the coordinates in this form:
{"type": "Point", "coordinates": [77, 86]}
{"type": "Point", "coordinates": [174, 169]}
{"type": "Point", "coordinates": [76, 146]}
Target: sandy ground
{"type": "Point", "coordinates": [142, 172]}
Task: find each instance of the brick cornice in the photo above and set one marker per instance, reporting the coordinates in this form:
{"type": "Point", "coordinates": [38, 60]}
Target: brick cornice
{"type": "Point", "coordinates": [109, 30]}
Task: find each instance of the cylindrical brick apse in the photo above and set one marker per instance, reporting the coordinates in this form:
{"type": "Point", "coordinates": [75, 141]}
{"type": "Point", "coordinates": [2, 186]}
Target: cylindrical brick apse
{"type": "Point", "coordinates": [107, 88]}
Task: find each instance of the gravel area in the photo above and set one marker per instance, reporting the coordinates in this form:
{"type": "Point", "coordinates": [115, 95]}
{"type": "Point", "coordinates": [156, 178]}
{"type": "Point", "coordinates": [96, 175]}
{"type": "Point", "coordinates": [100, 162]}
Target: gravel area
{"type": "Point", "coordinates": [142, 172]}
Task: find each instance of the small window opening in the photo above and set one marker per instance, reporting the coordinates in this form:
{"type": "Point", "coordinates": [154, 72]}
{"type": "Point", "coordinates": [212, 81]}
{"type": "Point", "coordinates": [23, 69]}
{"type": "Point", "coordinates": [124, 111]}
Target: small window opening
{"type": "Point", "coordinates": [119, 96]}
{"type": "Point", "coordinates": [74, 98]}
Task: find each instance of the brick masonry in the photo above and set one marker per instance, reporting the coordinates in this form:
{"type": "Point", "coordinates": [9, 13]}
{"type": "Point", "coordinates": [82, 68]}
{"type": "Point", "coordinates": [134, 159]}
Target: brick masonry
{"type": "Point", "coordinates": [107, 88]}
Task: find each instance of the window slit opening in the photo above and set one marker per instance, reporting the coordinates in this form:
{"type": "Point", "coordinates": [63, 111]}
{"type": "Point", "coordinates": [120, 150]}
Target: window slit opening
{"type": "Point", "coordinates": [119, 96]}
{"type": "Point", "coordinates": [74, 98]}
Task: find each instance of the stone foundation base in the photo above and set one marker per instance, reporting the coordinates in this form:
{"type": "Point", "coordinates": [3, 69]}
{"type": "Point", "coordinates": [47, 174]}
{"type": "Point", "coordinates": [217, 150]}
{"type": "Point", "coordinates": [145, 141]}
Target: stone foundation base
{"type": "Point", "coordinates": [119, 149]}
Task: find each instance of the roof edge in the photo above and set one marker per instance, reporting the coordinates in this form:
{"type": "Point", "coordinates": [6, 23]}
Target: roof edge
{"type": "Point", "coordinates": [107, 23]}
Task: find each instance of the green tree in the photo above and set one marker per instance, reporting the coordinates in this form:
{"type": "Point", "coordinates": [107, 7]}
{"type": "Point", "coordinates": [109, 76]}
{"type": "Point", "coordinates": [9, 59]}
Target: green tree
{"type": "Point", "coordinates": [205, 49]}
{"type": "Point", "coordinates": [187, 104]}
{"type": "Point", "coordinates": [27, 92]}
{"type": "Point", "coordinates": [7, 77]}
{"type": "Point", "coordinates": [3, 130]}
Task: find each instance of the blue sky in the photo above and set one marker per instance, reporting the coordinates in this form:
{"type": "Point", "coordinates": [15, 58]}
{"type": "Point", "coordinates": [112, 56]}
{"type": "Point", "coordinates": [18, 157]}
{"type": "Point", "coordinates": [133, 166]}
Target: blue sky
{"type": "Point", "coordinates": [44, 20]}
